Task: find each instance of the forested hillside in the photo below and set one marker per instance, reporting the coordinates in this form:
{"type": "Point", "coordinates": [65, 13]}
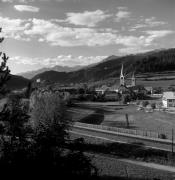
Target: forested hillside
{"type": "Point", "coordinates": [154, 61]}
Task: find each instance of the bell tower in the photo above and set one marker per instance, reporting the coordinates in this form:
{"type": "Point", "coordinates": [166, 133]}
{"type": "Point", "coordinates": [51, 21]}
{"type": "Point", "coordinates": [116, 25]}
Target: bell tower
{"type": "Point", "coordinates": [122, 78]}
{"type": "Point", "coordinates": [133, 80]}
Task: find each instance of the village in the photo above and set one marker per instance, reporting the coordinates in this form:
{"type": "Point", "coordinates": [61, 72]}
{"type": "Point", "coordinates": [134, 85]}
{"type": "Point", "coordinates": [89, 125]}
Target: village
{"type": "Point", "coordinates": [87, 89]}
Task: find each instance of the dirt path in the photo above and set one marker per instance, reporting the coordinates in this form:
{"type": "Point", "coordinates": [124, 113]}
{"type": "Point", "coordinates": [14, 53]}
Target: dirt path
{"type": "Point", "coordinates": [150, 165]}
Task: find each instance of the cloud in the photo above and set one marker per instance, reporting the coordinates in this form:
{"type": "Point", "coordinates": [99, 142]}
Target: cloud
{"type": "Point", "coordinates": [61, 60]}
{"type": "Point", "coordinates": [152, 35]}
{"type": "Point", "coordinates": [148, 23]}
{"type": "Point", "coordinates": [122, 8]}
{"type": "Point", "coordinates": [17, 1]}
{"type": "Point", "coordinates": [22, 8]}
{"type": "Point", "coordinates": [58, 35]}
{"type": "Point", "coordinates": [87, 18]}
{"type": "Point", "coordinates": [142, 43]}
{"type": "Point", "coordinates": [27, 1]}
{"type": "Point", "coordinates": [14, 28]}
{"type": "Point", "coordinates": [66, 36]}
{"type": "Point", "coordinates": [133, 50]}
{"type": "Point", "coordinates": [143, 40]}
{"type": "Point", "coordinates": [122, 13]}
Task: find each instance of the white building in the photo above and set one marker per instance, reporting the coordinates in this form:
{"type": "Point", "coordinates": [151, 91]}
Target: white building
{"type": "Point", "coordinates": [168, 99]}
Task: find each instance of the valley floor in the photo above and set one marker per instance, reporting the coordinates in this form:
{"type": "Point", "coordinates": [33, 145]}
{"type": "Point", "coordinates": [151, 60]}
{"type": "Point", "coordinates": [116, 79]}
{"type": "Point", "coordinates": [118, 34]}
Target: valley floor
{"type": "Point", "coordinates": [112, 114]}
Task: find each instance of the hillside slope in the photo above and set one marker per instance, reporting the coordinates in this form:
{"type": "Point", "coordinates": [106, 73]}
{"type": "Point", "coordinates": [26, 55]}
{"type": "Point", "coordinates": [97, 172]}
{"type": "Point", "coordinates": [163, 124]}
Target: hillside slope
{"type": "Point", "coordinates": [154, 61]}
{"type": "Point", "coordinates": [17, 82]}
{"type": "Point", "coordinates": [31, 74]}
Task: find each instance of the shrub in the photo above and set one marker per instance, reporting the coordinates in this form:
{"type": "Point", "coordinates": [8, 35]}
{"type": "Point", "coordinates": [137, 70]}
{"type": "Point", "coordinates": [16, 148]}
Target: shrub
{"type": "Point", "coordinates": [137, 103]}
{"type": "Point", "coordinates": [153, 105]}
{"type": "Point", "coordinates": [144, 103]}
{"type": "Point", "coordinates": [162, 136]}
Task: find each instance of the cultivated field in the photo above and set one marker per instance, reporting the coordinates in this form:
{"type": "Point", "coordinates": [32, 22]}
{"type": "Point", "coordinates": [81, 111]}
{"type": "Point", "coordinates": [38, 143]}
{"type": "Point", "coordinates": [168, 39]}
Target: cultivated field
{"type": "Point", "coordinates": [113, 114]}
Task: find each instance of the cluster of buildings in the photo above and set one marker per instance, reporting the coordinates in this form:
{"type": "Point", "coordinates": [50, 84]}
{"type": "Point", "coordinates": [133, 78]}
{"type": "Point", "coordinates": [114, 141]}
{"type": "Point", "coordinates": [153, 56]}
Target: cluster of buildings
{"type": "Point", "coordinates": [123, 87]}
{"type": "Point", "coordinates": [168, 97]}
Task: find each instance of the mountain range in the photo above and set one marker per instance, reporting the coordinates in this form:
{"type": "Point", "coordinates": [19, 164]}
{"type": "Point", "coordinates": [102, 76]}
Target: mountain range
{"type": "Point", "coordinates": [31, 74]}
{"type": "Point", "coordinates": [150, 62]}
{"type": "Point", "coordinates": [153, 61]}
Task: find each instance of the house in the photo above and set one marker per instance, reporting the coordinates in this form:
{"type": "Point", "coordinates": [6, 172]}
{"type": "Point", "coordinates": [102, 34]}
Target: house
{"type": "Point", "coordinates": [102, 89]}
{"type": "Point", "coordinates": [168, 99]}
{"type": "Point", "coordinates": [138, 89]}
{"type": "Point", "coordinates": [111, 95]}
{"type": "Point", "coordinates": [149, 89]}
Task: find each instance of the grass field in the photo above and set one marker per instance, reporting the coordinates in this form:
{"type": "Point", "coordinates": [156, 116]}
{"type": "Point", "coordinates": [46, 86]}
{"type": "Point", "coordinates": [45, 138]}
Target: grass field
{"type": "Point", "coordinates": [107, 157]}
{"type": "Point", "coordinates": [112, 168]}
{"type": "Point", "coordinates": [113, 114]}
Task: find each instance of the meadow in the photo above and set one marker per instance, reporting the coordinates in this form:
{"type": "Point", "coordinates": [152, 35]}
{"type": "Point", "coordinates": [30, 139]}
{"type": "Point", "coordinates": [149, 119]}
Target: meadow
{"type": "Point", "coordinates": [114, 115]}
{"type": "Point", "coordinates": [108, 158]}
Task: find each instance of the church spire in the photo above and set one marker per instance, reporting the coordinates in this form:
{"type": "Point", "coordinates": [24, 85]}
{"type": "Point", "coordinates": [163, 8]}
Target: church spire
{"type": "Point", "coordinates": [121, 74]}
{"type": "Point", "coordinates": [122, 78]}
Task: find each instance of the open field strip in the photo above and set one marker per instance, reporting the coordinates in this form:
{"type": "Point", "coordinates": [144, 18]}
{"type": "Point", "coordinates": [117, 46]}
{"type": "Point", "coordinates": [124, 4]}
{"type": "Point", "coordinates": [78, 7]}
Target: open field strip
{"type": "Point", "coordinates": [145, 141]}
{"type": "Point", "coordinates": [111, 167]}
{"type": "Point", "coordinates": [113, 115]}
{"type": "Point", "coordinates": [114, 141]}
{"type": "Point", "coordinates": [150, 165]}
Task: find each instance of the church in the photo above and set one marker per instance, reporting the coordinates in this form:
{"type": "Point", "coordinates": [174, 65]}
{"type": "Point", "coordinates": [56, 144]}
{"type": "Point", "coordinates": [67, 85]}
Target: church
{"type": "Point", "coordinates": [122, 87]}
{"type": "Point", "coordinates": [122, 79]}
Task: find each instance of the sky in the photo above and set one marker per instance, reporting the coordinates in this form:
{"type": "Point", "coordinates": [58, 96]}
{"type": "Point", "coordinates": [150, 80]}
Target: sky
{"type": "Point", "coordinates": [45, 33]}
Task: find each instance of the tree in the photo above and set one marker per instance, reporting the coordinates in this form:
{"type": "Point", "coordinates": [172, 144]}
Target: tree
{"type": "Point", "coordinates": [49, 118]}
{"type": "Point", "coordinates": [28, 90]}
{"type": "Point", "coordinates": [14, 132]}
{"type": "Point", "coordinates": [144, 103]}
{"type": "Point", "coordinates": [153, 105]}
{"type": "Point", "coordinates": [157, 90]}
{"type": "Point", "coordinates": [4, 70]}
{"type": "Point", "coordinates": [126, 98]}
{"type": "Point", "coordinates": [51, 148]}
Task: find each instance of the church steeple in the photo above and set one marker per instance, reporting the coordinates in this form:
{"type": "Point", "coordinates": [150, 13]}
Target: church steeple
{"type": "Point", "coordinates": [122, 78]}
{"type": "Point", "coordinates": [133, 80]}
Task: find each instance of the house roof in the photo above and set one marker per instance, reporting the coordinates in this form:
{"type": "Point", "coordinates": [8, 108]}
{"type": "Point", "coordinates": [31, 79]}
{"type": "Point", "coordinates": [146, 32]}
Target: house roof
{"type": "Point", "coordinates": [103, 88]}
{"type": "Point", "coordinates": [148, 88]}
{"type": "Point", "coordinates": [169, 95]}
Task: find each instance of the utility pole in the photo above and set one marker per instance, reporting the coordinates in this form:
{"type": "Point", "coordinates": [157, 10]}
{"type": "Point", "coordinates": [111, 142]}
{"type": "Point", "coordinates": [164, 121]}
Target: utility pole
{"type": "Point", "coordinates": [127, 120]}
{"type": "Point", "coordinates": [172, 141]}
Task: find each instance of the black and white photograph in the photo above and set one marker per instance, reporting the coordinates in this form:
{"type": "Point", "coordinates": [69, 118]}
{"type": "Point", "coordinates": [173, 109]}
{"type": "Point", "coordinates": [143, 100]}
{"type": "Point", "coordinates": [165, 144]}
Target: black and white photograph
{"type": "Point", "coordinates": [87, 89]}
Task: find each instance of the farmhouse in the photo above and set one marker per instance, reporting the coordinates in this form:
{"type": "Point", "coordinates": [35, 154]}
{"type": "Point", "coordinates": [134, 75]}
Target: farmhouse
{"type": "Point", "coordinates": [168, 99]}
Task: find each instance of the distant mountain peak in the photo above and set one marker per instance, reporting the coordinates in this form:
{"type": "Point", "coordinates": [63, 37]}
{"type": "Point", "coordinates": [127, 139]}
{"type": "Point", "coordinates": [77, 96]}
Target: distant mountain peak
{"type": "Point", "coordinates": [110, 58]}
{"type": "Point", "coordinates": [31, 74]}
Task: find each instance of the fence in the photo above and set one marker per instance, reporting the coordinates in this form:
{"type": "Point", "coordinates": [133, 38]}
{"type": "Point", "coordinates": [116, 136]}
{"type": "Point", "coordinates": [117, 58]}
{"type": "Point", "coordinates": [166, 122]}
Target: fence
{"type": "Point", "coordinates": [150, 134]}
